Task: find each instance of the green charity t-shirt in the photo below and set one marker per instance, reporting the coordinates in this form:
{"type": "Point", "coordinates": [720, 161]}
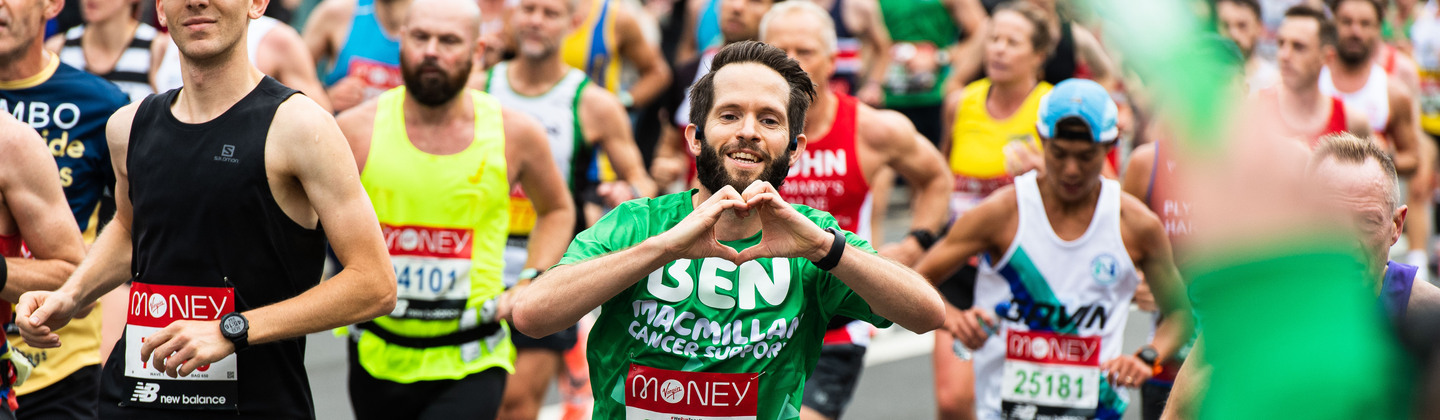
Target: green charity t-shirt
{"type": "Point", "coordinates": [765, 318]}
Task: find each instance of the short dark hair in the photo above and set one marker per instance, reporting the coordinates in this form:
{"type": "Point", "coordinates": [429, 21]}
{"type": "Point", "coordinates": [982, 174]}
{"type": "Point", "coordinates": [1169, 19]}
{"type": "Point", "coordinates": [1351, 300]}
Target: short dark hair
{"type": "Point", "coordinates": [802, 90]}
{"type": "Point", "coordinates": [1253, 5]}
{"type": "Point", "coordinates": [1379, 6]}
{"type": "Point", "coordinates": [1041, 39]}
{"type": "Point", "coordinates": [1072, 128]}
{"type": "Point", "coordinates": [1328, 34]}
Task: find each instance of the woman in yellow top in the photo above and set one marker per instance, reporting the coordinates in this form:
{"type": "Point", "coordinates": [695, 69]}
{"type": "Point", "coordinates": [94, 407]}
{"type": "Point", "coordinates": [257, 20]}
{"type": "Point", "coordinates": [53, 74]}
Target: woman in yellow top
{"type": "Point", "coordinates": [983, 120]}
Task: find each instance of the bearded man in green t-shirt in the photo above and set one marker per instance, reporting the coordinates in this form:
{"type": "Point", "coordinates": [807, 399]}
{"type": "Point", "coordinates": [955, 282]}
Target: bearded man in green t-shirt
{"type": "Point", "coordinates": [714, 301]}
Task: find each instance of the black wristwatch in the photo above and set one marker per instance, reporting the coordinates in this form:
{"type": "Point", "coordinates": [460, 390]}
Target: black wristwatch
{"type": "Point", "coordinates": [837, 248]}
{"type": "Point", "coordinates": [1148, 355]}
{"type": "Point", "coordinates": [925, 237]}
{"type": "Point", "coordinates": [236, 328]}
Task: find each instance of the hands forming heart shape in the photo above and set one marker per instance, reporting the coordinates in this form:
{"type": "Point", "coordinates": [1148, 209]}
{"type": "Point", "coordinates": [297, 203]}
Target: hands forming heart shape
{"type": "Point", "coordinates": [785, 233]}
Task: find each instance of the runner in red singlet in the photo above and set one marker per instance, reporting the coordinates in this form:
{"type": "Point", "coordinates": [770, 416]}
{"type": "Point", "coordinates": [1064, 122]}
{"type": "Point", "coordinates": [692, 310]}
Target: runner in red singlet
{"type": "Point", "coordinates": [1306, 41]}
{"type": "Point", "coordinates": [835, 173]}
{"type": "Point", "coordinates": [34, 217]}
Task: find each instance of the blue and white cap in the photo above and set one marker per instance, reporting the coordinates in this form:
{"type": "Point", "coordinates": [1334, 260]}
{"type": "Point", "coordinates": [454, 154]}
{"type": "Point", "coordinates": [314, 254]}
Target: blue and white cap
{"type": "Point", "coordinates": [1083, 99]}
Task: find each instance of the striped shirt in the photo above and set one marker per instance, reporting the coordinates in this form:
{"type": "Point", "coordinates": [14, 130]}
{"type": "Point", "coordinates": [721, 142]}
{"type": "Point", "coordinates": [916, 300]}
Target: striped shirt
{"type": "Point", "coordinates": [131, 72]}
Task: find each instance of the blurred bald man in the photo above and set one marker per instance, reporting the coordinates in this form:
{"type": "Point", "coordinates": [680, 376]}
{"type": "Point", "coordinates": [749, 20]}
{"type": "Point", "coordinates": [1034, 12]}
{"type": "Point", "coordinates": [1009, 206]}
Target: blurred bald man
{"type": "Point", "coordinates": [438, 161]}
{"type": "Point", "coordinates": [1359, 179]}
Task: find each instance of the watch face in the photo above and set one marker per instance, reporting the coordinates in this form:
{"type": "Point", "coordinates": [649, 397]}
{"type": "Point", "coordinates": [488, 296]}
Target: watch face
{"type": "Point", "coordinates": [233, 325]}
{"type": "Point", "coordinates": [1148, 355]}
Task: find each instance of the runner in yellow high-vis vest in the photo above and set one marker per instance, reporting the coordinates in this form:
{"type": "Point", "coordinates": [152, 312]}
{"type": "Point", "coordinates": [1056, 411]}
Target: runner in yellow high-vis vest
{"type": "Point", "coordinates": [438, 161]}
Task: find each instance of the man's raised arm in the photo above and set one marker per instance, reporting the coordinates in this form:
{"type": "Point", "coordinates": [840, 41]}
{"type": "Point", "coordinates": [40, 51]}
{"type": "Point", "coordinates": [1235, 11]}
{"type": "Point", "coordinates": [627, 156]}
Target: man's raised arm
{"type": "Point", "coordinates": [318, 155]}
{"type": "Point", "coordinates": [892, 290]}
{"type": "Point", "coordinates": [557, 299]}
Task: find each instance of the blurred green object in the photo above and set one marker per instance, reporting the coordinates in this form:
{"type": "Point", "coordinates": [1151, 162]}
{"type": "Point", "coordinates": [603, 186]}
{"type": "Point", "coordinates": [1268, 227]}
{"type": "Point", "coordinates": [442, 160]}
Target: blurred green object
{"type": "Point", "coordinates": [1186, 67]}
{"type": "Point", "coordinates": [1293, 330]}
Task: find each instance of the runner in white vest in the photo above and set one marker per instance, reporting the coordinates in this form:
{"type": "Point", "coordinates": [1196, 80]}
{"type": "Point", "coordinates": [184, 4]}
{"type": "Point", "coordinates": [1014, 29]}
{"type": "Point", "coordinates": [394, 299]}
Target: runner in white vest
{"type": "Point", "coordinates": [1059, 252]}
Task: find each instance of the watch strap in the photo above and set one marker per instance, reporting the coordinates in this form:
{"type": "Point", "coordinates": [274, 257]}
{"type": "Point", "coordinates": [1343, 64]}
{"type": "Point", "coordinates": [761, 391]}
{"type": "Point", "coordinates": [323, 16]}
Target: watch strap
{"type": "Point", "coordinates": [1148, 350]}
{"type": "Point", "coordinates": [924, 237]}
{"type": "Point", "coordinates": [837, 249]}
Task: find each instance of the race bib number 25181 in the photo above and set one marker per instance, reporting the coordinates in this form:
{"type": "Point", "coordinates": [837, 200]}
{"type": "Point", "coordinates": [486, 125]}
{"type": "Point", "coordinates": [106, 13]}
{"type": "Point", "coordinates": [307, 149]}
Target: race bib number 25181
{"type": "Point", "coordinates": [1050, 375]}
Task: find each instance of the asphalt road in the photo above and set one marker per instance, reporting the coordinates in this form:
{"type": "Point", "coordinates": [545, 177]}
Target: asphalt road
{"type": "Point", "coordinates": [896, 383]}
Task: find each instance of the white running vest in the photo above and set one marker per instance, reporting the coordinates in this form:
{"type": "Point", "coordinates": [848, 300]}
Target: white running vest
{"type": "Point", "coordinates": [1373, 98]}
{"type": "Point", "coordinates": [1078, 288]}
{"type": "Point", "coordinates": [558, 110]}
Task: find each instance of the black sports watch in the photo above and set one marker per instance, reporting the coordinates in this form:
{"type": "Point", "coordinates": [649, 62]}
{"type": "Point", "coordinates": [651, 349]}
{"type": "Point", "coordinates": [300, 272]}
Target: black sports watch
{"type": "Point", "coordinates": [1148, 355]}
{"type": "Point", "coordinates": [837, 248]}
{"type": "Point", "coordinates": [924, 237]}
{"type": "Point", "coordinates": [236, 328]}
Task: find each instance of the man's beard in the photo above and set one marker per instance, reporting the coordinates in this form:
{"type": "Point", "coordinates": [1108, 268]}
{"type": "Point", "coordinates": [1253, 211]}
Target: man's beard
{"type": "Point", "coordinates": [1353, 58]}
{"type": "Point", "coordinates": [710, 169]}
{"type": "Point", "coordinates": [431, 92]}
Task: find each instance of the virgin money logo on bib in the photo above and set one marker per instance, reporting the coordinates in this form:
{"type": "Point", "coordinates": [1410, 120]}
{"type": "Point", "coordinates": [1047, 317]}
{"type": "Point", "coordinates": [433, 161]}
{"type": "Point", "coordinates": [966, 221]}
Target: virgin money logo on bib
{"type": "Point", "coordinates": [1049, 348]}
{"type": "Point", "coordinates": [374, 74]}
{"type": "Point", "coordinates": [157, 306]}
{"type": "Point", "coordinates": [426, 241]}
{"type": "Point", "coordinates": [652, 393]}
{"type": "Point", "coordinates": [672, 391]}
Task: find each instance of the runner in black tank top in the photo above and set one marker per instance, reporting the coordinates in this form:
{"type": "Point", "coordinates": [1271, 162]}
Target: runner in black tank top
{"type": "Point", "coordinates": [205, 217]}
{"type": "Point", "coordinates": [220, 235]}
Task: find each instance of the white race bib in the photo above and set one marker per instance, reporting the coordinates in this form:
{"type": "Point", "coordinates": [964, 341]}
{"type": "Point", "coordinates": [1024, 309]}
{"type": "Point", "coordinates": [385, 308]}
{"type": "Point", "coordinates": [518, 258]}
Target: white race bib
{"type": "Point", "coordinates": [432, 270]}
{"type": "Point", "coordinates": [153, 307]}
{"type": "Point", "coordinates": [1050, 375]}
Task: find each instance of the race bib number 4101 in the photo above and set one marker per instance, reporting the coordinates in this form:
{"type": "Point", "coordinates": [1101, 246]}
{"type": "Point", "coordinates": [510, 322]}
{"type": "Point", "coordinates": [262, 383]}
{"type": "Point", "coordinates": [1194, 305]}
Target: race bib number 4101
{"type": "Point", "coordinates": [153, 307]}
{"type": "Point", "coordinates": [432, 270]}
{"type": "Point", "coordinates": [659, 394]}
{"type": "Point", "coordinates": [1050, 375]}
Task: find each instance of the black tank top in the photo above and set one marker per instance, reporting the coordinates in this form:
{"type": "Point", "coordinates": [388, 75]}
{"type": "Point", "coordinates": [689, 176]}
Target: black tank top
{"type": "Point", "coordinates": [1061, 63]}
{"type": "Point", "coordinates": [204, 216]}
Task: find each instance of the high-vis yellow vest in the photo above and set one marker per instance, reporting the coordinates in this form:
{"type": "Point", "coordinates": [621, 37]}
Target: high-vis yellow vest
{"type": "Point", "coordinates": [977, 148]}
{"type": "Point", "coordinates": [444, 219]}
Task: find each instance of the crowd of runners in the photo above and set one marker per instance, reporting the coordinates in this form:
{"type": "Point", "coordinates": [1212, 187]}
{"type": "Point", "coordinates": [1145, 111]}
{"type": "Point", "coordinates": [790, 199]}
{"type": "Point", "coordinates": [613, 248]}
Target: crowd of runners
{"type": "Point", "coordinates": [674, 209]}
